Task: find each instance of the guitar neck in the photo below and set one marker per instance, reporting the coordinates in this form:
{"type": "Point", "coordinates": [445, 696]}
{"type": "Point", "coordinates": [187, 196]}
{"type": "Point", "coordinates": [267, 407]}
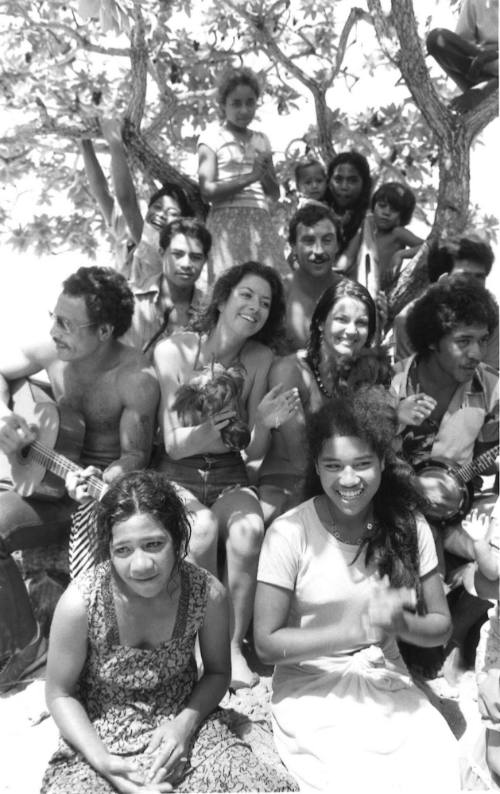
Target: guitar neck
{"type": "Point", "coordinates": [478, 466]}
{"type": "Point", "coordinates": [60, 465]}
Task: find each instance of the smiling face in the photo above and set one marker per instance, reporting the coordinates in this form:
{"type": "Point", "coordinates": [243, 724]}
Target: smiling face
{"type": "Point", "coordinates": [350, 473]}
{"type": "Point", "coordinates": [164, 210]}
{"type": "Point", "coordinates": [247, 309]}
{"type": "Point", "coordinates": [183, 260]}
{"type": "Point", "coordinates": [386, 217]}
{"type": "Point", "coordinates": [312, 182]}
{"type": "Point", "coordinates": [74, 335]}
{"type": "Point", "coordinates": [316, 247]}
{"type": "Point", "coordinates": [346, 185]}
{"type": "Point", "coordinates": [458, 353]}
{"type": "Point", "coordinates": [142, 554]}
{"type": "Point", "coordinates": [345, 330]}
{"type": "Point", "coordinates": [240, 106]}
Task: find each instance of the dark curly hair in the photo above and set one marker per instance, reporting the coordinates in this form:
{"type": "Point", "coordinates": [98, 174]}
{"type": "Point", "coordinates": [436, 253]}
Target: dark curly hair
{"type": "Point", "coordinates": [190, 227]}
{"type": "Point", "coordinates": [399, 197]}
{"type": "Point", "coordinates": [343, 288]}
{"type": "Point", "coordinates": [369, 414]}
{"type": "Point", "coordinates": [454, 301]}
{"type": "Point", "coordinates": [272, 332]}
{"type": "Point", "coordinates": [358, 210]}
{"type": "Point", "coordinates": [309, 216]}
{"type": "Point", "coordinates": [232, 78]}
{"type": "Point", "coordinates": [107, 296]}
{"type": "Point", "coordinates": [444, 254]}
{"type": "Point", "coordinates": [177, 194]}
{"type": "Point", "coordinates": [147, 492]}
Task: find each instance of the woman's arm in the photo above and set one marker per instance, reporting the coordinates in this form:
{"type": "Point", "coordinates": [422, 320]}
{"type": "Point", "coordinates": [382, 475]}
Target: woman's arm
{"type": "Point", "coordinates": [291, 432]}
{"type": "Point", "coordinates": [387, 613]}
{"type": "Point", "coordinates": [214, 190]}
{"type": "Point", "coordinates": [276, 643]}
{"type": "Point", "coordinates": [67, 655]}
{"type": "Point", "coordinates": [170, 360]}
{"type": "Point", "coordinates": [97, 181]}
{"type": "Point", "coordinates": [269, 181]}
{"type": "Point", "coordinates": [122, 179]}
{"type": "Point", "coordinates": [173, 736]}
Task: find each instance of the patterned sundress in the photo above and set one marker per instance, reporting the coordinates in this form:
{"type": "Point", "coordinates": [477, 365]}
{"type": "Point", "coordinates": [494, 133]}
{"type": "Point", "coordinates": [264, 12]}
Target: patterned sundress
{"type": "Point", "coordinates": [127, 692]}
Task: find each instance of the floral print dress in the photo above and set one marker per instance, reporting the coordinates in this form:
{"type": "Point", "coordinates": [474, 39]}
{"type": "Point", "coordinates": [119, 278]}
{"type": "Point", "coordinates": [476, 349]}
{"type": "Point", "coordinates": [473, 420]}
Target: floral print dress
{"type": "Point", "coordinates": [127, 692]}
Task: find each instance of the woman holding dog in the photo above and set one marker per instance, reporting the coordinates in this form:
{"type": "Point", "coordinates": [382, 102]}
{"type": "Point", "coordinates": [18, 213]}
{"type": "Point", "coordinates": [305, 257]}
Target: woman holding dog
{"type": "Point", "coordinates": [339, 350]}
{"type": "Point", "coordinates": [245, 315]}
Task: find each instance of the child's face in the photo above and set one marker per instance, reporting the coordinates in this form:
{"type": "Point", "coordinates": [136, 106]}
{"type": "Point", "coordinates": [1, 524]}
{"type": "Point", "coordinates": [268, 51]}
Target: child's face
{"type": "Point", "coordinates": [346, 185]}
{"type": "Point", "coordinates": [312, 182]}
{"type": "Point", "coordinates": [240, 106]}
{"type": "Point", "coordinates": [386, 217]}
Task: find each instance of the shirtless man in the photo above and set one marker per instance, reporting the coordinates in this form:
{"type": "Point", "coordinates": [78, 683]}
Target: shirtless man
{"type": "Point", "coordinates": [313, 238]}
{"type": "Point", "coordinates": [115, 390]}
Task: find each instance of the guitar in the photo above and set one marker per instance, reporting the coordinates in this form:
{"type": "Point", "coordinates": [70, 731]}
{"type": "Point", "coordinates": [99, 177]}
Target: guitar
{"type": "Point", "coordinates": [37, 469]}
{"type": "Point", "coordinates": [447, 485]}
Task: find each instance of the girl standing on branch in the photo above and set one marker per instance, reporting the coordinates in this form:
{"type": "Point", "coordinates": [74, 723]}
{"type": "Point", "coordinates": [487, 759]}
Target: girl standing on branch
{"type": "Point", "coordinates": [237, 177]}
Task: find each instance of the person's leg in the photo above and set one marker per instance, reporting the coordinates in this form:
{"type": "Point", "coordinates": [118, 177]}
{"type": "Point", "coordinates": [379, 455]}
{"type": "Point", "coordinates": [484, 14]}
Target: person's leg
{"type": "Point", "coordinates": [242, 526]}
{"type": "Point", "coordinates": [204, 532]}
{"type": "Point", "coordinates": [24, 523]}
{"type": "Point", "coordinates": [454, 55]}
{"type": "Point", "coordinates": [273, 501]}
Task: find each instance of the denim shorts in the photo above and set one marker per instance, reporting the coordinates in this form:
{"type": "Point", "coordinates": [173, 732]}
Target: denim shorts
{"type": "Point", "coordinates": [206, 476]}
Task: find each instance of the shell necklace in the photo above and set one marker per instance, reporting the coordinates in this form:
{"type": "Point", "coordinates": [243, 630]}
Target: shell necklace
{"type": "Point", "coordinates": [335, 530]}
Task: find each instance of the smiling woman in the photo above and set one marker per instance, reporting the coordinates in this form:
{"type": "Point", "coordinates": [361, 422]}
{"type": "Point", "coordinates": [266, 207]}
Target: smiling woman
{"type": "Point", "coordinates": [244, 317]}
{"type": "Point", "coordinates": [341, 578]}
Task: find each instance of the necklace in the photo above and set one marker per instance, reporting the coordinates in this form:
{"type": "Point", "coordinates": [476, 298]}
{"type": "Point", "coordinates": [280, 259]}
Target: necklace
{"type": "Point", "coordinates": [335, 530]}
{"type": "Point", "coordinates": [319, 381]}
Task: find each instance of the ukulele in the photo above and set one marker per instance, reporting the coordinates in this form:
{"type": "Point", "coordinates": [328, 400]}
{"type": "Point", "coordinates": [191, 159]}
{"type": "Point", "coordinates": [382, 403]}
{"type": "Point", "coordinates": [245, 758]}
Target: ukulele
{"type": "Point", "coordinates": [39, 468]}
{"type": "Point", "coordinates": [447, 485]}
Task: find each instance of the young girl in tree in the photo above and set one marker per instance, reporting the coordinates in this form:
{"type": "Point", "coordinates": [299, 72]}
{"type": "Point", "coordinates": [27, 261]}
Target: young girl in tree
{"type": "Point", "coordinates": [237, 177]}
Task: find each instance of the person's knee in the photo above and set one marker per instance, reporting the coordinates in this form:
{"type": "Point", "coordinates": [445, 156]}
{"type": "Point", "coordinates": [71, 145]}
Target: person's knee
{"type": "Point", "coordinates": [436, 41]}
{"type": "Point", "coordinates": [204, 531]}
{"type": "Point", "coordinates": [245, 535]}
{"type": "Point", "coordinates": [493, 754]}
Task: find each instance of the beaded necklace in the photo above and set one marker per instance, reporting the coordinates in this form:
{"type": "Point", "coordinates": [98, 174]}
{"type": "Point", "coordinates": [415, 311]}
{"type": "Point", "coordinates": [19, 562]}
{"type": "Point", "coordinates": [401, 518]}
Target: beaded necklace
{"type": "Point", "coordinates": [337, 534]}
{"type": "Point", "coordinates": [319, 381]}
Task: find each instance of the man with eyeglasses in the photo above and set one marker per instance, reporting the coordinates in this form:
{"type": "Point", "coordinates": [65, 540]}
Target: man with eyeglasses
{"type": "Point", "coordinates": [115, 390]}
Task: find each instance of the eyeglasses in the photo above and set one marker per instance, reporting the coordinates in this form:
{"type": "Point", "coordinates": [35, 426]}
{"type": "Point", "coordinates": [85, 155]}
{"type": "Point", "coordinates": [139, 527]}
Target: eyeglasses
{"type": "Point", "coordinates": [66, 326]}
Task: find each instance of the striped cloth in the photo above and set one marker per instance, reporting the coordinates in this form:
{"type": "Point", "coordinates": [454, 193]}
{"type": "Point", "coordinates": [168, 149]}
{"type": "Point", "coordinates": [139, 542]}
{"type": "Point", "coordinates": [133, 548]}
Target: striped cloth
{"type": "Point", "coordinates": [83, 539]}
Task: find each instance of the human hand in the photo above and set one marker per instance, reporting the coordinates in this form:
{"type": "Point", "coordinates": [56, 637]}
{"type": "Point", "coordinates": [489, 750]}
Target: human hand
{"type": "Point", "coordinates": [260, 166]}
{"type": "Point", "coordinates": [475, 525]}
{"type": "Point", "coordinates": [122, 773]}
{"type": "Point", "coordinates": [77, 484]}
{"type": "Point", "coordinates": [415, 408]}
{"type": "Point", "coordinates": [219, 420]}
{"type": "Point", "coordinates": [386, 606]}
{"type": "Point", "coordinates": [278, 406]}
{"type": "Point", "coordinates": [170, 745]}
{"type": "Point", "coordinates": [15, 432]}
{"type": "Point", "coordinates": [488, 694]}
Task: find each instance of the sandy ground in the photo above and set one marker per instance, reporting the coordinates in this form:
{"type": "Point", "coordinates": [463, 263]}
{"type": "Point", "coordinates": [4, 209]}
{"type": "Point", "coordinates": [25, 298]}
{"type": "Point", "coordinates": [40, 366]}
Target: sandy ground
{"type": "Point", "coordinates": [28, 735]}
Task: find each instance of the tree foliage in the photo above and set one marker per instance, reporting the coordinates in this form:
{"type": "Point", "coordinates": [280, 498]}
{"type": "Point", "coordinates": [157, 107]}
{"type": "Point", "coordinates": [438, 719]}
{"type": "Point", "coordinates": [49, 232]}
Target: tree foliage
{"type": "Point", "coordinates": [155, 63]}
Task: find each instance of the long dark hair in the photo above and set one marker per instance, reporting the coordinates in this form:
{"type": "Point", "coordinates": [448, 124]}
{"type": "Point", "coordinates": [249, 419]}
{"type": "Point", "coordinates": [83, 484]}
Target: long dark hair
{"type": "Point", "coordinates": [369, 414]}
{"type": "Point", "coordinates": [358, 210]}
{"type": "Point", "coordinates": [343, 288]}
{"type": "Point", "coordinates": [272, 333]}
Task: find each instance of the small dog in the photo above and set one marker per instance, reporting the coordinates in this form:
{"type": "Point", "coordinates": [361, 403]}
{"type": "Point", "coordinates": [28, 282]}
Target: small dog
{"type": "Point", "coordinates": [215, 387]}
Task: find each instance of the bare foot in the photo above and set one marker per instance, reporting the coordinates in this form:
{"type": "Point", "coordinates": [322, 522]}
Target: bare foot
{"type": "Point", "coordinates": [241, 675]}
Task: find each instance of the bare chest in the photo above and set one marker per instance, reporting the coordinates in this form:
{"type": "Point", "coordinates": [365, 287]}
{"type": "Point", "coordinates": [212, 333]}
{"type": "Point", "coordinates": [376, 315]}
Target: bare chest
{"type": "Point", "coordinates": [96, 397]}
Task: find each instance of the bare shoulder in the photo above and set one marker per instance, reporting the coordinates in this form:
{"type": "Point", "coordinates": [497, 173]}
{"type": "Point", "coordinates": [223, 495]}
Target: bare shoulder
{"type": "Point", "coordinates": [135, 372]}
{"type": "Point", "coordinates": [255, 355]}
{"type": "Point", "coordinates": [71, 606]}
{"type": "Point", "coordinates": [180, 346]}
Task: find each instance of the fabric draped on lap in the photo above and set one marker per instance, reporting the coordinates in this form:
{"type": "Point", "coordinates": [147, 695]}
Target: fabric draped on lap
{"type": "Point", "coordinates": [83, 540]}
{"type": "Point", "coordinates": [240, 234]}
{"type": "Point", "coordinates": [127, 692]}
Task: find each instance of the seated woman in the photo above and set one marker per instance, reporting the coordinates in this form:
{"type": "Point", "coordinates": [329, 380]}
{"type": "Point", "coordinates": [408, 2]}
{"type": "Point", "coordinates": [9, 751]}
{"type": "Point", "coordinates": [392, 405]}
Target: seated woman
{"type": "Point", "coordinates": [341, 578]}
{"type": "Point", "coordinates": [339, 350]}
{"type": "Point", "coordinates": [245, 315]}
{"type": "Point", "coordinates": [122, 681]}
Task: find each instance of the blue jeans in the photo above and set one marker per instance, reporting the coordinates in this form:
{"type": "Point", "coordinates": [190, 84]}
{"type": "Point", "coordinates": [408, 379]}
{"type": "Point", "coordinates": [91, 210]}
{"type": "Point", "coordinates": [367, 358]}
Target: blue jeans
{"type": "Point", "coordinates": [206, 476]}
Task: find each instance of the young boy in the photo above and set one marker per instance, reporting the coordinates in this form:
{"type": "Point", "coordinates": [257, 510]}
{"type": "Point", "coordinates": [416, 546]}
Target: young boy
{"type": "Point", "coordinates": [392, 210]}
{"type": "Point", "coordinates": [310, 179]}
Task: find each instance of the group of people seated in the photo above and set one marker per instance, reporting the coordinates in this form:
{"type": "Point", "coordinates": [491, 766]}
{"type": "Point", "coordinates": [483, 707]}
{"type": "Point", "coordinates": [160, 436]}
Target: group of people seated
{"type": "Point", "coordinates": [250, 455]}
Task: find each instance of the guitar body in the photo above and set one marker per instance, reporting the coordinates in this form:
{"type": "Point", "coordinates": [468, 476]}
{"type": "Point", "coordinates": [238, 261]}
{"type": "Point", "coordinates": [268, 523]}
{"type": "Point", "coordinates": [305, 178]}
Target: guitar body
{"type": "Point", "coordinates": [449, 497]}
{"type": "Point", "coordinates": [59, 428]}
